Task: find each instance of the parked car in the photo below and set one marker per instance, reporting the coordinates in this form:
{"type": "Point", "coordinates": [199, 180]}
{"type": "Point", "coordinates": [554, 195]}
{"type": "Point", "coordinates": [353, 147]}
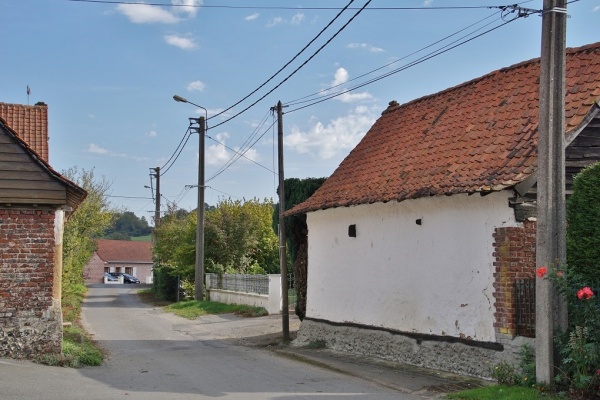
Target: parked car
{"type": "Point", "coordinates": [108, 277]}
{"type": "Point", "coordinates": [126, 277]}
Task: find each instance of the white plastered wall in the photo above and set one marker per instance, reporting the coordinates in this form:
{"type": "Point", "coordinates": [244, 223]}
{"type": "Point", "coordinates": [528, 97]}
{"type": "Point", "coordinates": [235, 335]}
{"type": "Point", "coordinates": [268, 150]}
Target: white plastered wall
{"type": "Point", "coordinates": [435, 278]}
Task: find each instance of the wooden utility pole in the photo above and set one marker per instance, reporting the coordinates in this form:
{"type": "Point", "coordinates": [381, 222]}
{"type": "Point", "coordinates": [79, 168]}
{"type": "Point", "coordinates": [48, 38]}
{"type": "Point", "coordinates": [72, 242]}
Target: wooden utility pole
{"type": "Point", "coordinates": [551, 210]}
{"type": "Point", "coordinates": [285, 313]}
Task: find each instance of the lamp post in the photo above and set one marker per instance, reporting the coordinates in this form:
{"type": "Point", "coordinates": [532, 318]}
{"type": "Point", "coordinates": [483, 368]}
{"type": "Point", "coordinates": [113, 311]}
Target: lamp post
{"type": "Point", "coordinates": [199, 271]}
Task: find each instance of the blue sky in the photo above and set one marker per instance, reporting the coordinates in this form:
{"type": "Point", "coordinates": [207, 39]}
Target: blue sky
{"type": "Point", "coordinates": [108, 73]}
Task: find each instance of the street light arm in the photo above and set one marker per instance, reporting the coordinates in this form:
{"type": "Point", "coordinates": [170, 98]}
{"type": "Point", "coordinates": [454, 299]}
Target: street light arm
{"type": "Point", "coordinates": [184, 100]}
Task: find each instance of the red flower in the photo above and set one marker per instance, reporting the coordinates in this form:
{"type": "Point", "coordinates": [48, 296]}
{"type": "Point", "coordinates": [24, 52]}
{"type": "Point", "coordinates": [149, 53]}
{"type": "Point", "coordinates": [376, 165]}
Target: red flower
{"type": "Point", "coordinates": [541, 272]}
{"type": "Point", "coordinates": [585, 293]}
{"type": "Point", "coordinates": [598, 372]}
{"type": "Point", "coordinates": [560, 274]}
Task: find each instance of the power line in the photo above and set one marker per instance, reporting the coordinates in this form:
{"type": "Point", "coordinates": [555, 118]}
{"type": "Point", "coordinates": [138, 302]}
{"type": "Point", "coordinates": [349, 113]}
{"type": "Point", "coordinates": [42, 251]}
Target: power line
{"type": "Point", "coordinates": [176, 154]}
{"type": "Point", "coordinates": [301, 66]}
{"type": "Point", "coordinates": [406, 66]}
{"type": "Point", "coordinates": [241, 154]}
{"type": "Point", "coordinates": [307, 98]}
{"type": "Point", "coordinates": [279, 7]}
{"type": "Point", "coordinates": [288, 63]}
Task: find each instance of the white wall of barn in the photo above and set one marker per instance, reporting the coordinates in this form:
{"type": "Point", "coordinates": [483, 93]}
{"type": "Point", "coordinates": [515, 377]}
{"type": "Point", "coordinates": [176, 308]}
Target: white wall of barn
{"type": "Point", "coordinates": [435, 278]}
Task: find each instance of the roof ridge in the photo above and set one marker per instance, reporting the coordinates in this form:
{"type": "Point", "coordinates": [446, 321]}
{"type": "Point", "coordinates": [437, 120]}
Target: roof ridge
{"type": "Point", "coordinates": [521, 64]}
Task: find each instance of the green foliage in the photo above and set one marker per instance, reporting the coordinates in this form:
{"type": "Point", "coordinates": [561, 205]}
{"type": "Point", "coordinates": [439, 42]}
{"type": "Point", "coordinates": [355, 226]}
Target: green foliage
{"type": "Point", "coordinates": [165, 283]}
{"type": "Point", "coordinates": [506, 374]}
{"type": "Point", "coordinates": [194, 309]}
{"type": "Point", "coordinates": [127, 225]}
{"type": "Point", "coordinates": [501, 392]}
{"type": "Point", "coordinates": [78, 351]}
{"type": "Point", "coordinates": [239, 239]}
{"type": "Point", "coordinates": [579, 346]}
{"type": "Point", "coordinates": [583, 216]}
{"type": "Point", "coordinates": [296, 191]}
{"type": "Point", "coordinates": [90, 220]}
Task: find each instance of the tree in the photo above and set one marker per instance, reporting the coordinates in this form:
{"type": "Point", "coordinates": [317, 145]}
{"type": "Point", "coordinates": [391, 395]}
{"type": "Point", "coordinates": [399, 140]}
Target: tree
{"type": "Point", "coordinates": [127, 225]}
{"type": "Point", "coordinates": [239, 238]}
{"type": "Point", "coordinates": [583, 217]}
{"type": "Point", "coordinates": [296, 231]}
{"type": "Point", "coordinates": [89, 220]}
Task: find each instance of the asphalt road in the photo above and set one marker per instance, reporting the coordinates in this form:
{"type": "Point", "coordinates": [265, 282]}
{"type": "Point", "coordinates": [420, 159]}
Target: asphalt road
{"type": "Point", "coordinates": [156, 355]}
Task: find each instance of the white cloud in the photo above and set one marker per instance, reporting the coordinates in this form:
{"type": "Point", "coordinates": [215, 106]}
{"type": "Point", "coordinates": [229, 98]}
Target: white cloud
{"type": "Point", "coordinates": [337, 137]}
{"type": "Point", "coordinates": [95, 149]}
{"type": "Point", "coordinates": [182, 42]}
{"type": "Point", "coordinates": [141, 13]}
{"type": "Point", "coordinates": [342, 76]}
{"type": "Point", "coordinates": [218, 154]}
{"type": "Point", "coordinates": [147, 14]}
{"type": "Point", "coordinates": [152, 133]}
{"type": "Point", "coordinates": [365, 46]}
{"type": "Point", "coordinates": [252, 17]}
{"type": "Point", "coordinates": [427, 3]}
{"type": "Point", "coordinates": [196, 86]}
{"type": "Point", "coordinates": [275, 21]}
{"type": "Point", "coordinates": [597, 8]}
{"type": "Point", "coordinates": [297, 19]}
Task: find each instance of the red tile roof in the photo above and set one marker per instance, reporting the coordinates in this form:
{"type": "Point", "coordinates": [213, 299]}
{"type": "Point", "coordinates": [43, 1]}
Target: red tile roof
{"type": "Point", "coordinates": [477, 136]}
{"type": "Point", "coordinates": [126, 251]}
{"type": "Point", "coordinates": [30, 123]}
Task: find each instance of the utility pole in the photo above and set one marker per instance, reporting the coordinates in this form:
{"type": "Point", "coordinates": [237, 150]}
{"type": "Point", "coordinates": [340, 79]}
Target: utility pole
{"type": "Point", "coordinates": [551, 314]}
{"type": "Point", "coordinates": [199, 272]}
{"type": "Point", "coordinates": [285, 313]}
{"type": "Point", "coordinates": [157, 208]}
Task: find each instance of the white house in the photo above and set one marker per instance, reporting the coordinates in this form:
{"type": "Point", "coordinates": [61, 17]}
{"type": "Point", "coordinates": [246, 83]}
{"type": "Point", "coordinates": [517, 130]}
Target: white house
{"type": "Point", "coordinates": [417, 239]}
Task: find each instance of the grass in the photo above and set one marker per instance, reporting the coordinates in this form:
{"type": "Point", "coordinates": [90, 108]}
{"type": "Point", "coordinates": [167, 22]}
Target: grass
{"type": "Point", "coordinates": [78, 350]}
{"type": "Point", "coordinates": [500, 392]}
{"type": "Point", "coordinates": [194, 309]}
{"type": "Point", "coordinates": [147, 238]}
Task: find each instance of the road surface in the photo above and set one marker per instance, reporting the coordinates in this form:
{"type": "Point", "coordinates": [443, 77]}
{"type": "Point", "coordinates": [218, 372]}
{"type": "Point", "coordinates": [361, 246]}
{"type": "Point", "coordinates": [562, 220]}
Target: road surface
{"type": "Point", "coordinates": [156, 355]}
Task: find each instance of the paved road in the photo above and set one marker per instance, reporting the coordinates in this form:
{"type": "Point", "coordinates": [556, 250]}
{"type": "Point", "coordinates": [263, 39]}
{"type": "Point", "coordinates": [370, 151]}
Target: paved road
{"type": "Point", "coordinates": [156, 355]}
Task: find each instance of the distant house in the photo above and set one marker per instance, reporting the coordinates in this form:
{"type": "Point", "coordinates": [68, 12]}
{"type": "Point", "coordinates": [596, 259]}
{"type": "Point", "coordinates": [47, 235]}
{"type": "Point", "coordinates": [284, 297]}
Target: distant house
{"type": "Point", "coordinates": [131, 257]}
{"type": "Point", "coordinates": [417, 240]}
{"type": "Point", "coordinates": [35, 201]}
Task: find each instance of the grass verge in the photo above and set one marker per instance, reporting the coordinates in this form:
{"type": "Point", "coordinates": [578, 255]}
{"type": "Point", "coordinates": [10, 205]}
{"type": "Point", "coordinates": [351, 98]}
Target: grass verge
{"type": "Point", "coordinates": [194, 309]}
{"type": "Point", "coordinates": [500, 392]}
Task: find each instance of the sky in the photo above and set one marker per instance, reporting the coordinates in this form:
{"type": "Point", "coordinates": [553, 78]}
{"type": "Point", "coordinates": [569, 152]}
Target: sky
{"type": "Point", "coordinates": [108, 71]}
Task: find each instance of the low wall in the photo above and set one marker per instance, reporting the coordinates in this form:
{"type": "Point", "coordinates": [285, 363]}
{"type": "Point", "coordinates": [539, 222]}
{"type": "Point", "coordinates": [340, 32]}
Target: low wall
{"type": "Point", "coordinates": [441, 353]}
{"type": "Point", "coordinates": [270, 302]}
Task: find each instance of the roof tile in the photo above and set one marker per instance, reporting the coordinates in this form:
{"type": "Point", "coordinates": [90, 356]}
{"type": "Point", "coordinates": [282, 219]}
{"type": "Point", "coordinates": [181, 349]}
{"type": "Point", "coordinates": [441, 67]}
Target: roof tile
{"type": "Point", "coordinates": [124, 251]}
{"type": "Point", "coordinates": [477, 136]}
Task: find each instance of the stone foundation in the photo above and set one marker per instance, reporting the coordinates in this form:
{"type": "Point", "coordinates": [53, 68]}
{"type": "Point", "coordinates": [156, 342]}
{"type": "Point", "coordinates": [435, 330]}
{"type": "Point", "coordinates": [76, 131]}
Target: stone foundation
{"type": "Point", "coordinates": [441, 353]}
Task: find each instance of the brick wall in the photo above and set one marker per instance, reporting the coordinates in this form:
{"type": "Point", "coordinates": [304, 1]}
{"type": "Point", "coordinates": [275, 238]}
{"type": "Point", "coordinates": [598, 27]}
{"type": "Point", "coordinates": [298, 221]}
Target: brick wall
{"type": "Point", "coordinates": [514, 252]}
{"type": "Point", "coordinates": [93, 271]}
{"type": "Point", "coordinates": [30, 319]}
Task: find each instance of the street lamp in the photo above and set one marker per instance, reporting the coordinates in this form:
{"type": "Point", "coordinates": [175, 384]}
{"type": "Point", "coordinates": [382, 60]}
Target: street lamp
{"type": "Point", "coordinates": [199, 272]}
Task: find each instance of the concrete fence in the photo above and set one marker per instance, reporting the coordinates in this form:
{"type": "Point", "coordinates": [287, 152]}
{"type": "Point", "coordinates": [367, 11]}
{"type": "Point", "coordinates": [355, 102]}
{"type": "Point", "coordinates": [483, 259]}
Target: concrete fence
{"type": "Point", "coordinates": [253, 290]}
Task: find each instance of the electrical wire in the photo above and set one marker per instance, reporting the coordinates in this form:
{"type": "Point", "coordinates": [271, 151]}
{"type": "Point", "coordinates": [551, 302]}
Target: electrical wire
{"type": "Point", "coordinates": [288, 63]}
{"type": "Point", "coordinates": [300, 67]}
{"type": "Point", "coordinates": [321, 92]}
{"type": "Point", "coordinates": [406, 66]}
{"type": "Point", "coordinates": [276, 7]}
{"type": "Point", "coordinates": [176, 154]}
{"type": "Point", "coordinates": [243, 148]}
{"type": "Point", "coordinates": [241, 154]}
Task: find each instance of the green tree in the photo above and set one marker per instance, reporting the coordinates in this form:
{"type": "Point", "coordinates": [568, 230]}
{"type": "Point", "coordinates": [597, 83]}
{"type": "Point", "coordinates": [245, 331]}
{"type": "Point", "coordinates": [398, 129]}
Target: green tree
{"type": "Point", "coordinates": [239, 237]}
{"type": "Point", "coordinates": [127, 225]}
{"type": "Point", "coordinates": [89, 220]}
{"type": "Point", "coordinates": [583, 233]}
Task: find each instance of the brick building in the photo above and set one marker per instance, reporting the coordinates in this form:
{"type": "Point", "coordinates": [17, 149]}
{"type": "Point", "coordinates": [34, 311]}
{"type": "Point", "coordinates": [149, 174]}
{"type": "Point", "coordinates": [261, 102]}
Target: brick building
{"type": "Point", "coordinates": [127, 256]}
{"type": "Point", "coordinates": [35, 201]}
